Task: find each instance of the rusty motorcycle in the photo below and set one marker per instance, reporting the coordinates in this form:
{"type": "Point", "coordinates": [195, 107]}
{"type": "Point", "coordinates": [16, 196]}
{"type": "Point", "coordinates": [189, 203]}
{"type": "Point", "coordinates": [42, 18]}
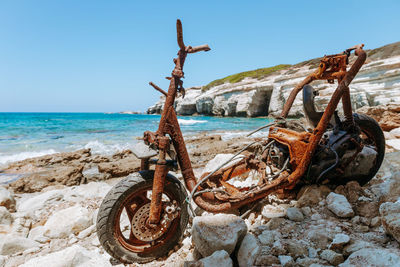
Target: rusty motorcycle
{"type": "Point", "coordinates": [145, 215]}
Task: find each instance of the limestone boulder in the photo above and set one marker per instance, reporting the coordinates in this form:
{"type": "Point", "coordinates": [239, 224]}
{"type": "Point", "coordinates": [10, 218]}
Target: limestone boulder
{"type": "Point", "coordinates": [76, 256]}
{"type": "Point", "coordinates": [68, 221]}
{"type": "Point", "coordinates": [249, 251]}
{"type": "Point", "coordinates": [390, 217]}
{"type": "Point", "coordinates": [219, 258]}
{"type": "Point", "coordinates": [5, 216]}
{"type": "Point", "coordinates": [7, 199]}
{"type": "Point", "coordinates": [372, 257]}
{"type": "Point", "coordinates": [339, 205]}
{"type": "Point", "coordinates": [217, 232]}
{"type": "Point", "coordinates": [11, 244]}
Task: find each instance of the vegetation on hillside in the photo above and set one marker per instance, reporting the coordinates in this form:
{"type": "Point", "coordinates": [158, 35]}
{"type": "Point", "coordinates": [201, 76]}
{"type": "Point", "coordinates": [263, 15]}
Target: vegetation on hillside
{"type": "Point", "coordinates": [257, 74]}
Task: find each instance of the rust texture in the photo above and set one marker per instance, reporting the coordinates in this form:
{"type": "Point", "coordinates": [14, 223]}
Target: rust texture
{"type": "Point", "coordinates": [301, 145]}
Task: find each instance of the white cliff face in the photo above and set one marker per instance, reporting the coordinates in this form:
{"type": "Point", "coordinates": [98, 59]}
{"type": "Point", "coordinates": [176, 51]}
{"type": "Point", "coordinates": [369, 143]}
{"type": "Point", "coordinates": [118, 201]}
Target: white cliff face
{"type": "Point", "coordinates": [377, 83]}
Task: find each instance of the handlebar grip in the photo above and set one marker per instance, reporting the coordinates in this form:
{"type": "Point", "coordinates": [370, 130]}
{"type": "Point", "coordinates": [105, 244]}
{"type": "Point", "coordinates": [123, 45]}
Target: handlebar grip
{"type": "Point", "coordinates": [195, 49]}
{"type": "Point", "coordinates": [179, 34]}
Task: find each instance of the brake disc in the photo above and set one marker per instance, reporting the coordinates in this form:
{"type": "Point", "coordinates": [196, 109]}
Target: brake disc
{"type": "Point", "coordinates": [139, 228]}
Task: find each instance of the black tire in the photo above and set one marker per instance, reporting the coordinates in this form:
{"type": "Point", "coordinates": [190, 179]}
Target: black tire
{"type": "Point", "coordinates": [110, 212]}
{"type": "Point", "coordinates": [371, 129]}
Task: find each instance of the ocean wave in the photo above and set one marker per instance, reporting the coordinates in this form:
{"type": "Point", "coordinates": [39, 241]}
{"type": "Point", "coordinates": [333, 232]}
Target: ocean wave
{"type": "Point", "coordinates": [24, 155]}
{"type": "Point", "coordinates": [225, 136]}
{"type": "Point", "coordinates": [98, 147]}
{"type": "Point", "coordinates": [190, 121]}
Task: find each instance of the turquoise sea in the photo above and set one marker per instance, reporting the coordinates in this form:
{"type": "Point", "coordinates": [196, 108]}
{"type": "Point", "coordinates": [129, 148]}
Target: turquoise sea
{"type": "Point", "coordinates": [24, 135]}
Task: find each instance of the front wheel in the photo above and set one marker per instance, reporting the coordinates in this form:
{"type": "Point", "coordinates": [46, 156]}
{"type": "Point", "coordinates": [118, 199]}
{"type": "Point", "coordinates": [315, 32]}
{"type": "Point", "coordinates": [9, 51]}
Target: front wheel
{"type": "Point", "coordinates": [122, 217]}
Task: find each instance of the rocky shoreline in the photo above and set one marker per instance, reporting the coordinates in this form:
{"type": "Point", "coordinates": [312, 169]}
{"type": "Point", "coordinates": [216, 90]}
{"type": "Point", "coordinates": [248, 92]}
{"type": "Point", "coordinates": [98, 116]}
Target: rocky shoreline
{"type": "Point", "coordinates": [48, 216]}
{"type": "Point", "coordinates": [377, 83]}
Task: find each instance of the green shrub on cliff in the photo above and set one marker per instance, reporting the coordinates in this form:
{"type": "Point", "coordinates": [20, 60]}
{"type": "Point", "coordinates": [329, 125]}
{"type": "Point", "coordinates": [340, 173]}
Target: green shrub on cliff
{"type": "Point", "coordinates": [257, 74]}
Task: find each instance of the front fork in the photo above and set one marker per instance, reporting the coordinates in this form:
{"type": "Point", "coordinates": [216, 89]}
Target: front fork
{"type": "Point", "coordinates": [160, 173]}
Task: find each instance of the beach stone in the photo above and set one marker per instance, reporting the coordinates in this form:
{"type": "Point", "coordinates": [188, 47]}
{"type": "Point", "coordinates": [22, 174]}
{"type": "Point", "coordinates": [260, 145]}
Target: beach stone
{"type": "Point", "coordinates": [5, 216]}
{"type": "Point", "coordinates": [11, 244]}
{"type": "Point", "coordinates": [35, 205]}
{"type": "Point", "coordinates": [268, 237]}
{"type": "Point", "coordinates": [217, 232]}
{"type": "Point", "coordinates": [123, 164]}
{"type": "Point", "coordinates": [273, 211]}
{"type": "Point", "coordinates": [75, 255]}
{"type": "Point", "coordinates": [87, 232]}
{"type": "Point", "coordinates": [356, 246]}
{"type": "Point", "coordinates": [278, 248]}
{"type": "Point", "coordinates": [367, 208]}
{"type": "Point", "coordinates": [339, 241]}
{"type": "Point", "coordinates": [296, 248]}
{"type": "Point", "coordinates": [294, 214]}
{"type": "Point", "coordinates": [70, 220]}
{"type": "Point", "coordinates": [275, 223]}
{"type": "Point", "coordinates": [372, 257]}
{"type": "Point", "coordinates": [219, 258]}
{"type": "Point", "coordinates": [306, 261]}
{"type": "Point", "coordinates": [390, 214]}
{"type": "Point", "coordinates": [61, 175]}
{"type": "Point", "coordinates": [37, 234]}
{"type": "Point", "coordinates": [339, 205]}
{"type": "Point", "coordinates": [332, 257]}
{"type": "Point", "coordinates": [286, 261]}
{"type": "Point", "coordinates": [264, 259]}
{"type": "Point", "coordinates": [311, 195]}
{"type": "Point", "coordinates": [318, 237]}
{"type": "Point", "coordinates": [376, 221]}
{"type": "Point", "coordinates": [249, 251]}
{"type": "Point", "coordinates": [7, 199]}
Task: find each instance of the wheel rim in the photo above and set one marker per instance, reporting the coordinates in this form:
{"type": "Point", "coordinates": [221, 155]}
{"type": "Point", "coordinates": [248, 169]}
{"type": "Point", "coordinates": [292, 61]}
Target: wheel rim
{"type": "Point", "coordinates": [137, 237]}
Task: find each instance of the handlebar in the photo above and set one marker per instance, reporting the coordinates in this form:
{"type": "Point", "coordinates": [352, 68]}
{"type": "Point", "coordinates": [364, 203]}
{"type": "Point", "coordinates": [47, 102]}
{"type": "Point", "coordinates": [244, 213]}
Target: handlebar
{"type": "Point", "coordinates": [181, 44]}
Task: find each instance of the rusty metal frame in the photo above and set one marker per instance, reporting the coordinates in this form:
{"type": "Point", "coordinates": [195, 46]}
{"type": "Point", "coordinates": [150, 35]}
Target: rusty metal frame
{"type": "Point", "coordinates": [301, 145]}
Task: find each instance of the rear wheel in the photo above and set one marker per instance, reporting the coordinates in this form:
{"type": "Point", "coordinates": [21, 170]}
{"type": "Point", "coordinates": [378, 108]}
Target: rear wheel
{"type": "Point", "coordinates": [122, 217]}
{"type": "Point", "coordinates": [371, 135]}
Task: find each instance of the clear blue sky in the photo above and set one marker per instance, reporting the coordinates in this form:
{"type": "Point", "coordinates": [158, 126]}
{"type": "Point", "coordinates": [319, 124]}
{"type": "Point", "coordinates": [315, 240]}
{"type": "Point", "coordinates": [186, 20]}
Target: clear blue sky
{"type": "Point", "coordinates": [100, 55]}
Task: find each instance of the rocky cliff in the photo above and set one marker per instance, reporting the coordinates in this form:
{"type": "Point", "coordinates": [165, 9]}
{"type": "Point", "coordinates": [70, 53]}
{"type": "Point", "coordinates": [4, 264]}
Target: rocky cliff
{"type": "Point", "coordinates": [377, 83]}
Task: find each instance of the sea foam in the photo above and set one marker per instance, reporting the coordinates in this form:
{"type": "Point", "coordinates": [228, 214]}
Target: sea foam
{"type": "Point", "coordinates": [24, 155]}
{"type": "Point", "coordinates": [190, 121]}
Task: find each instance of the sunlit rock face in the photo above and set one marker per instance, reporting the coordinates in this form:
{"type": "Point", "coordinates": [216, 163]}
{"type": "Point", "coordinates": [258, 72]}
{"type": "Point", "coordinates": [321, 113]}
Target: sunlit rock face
{"type": "Point", "coordinates": [377, 83]}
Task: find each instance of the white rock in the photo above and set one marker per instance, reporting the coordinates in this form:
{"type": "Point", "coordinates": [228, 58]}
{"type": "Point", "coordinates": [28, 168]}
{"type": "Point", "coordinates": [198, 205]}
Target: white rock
{"type": "Point", "coordinates": [87, 232]}
{"type": "Point", "coordinates": [273, 211]}
{"type": "Point", "coordinates": [33, 206]}
{"type": "Point", "coordinates": [217, 232]}
{"type": "Point", "coordinates": [393, 143]}
{"type": "Point", "coordinates": [268, 237]}
{"type": "Point", "coordinates": [70, 220]}
{"type": "Point", "coordinates": [390, 214]}
{"type": "Point", "coordinates": [219, 258]}
{"type": "Point", "coordinates": [86, 191]}
{"type": "Point", "coordinates": [7, 199]}
{"type": "Point", "coordinates": [339, 241]}
{"type": "Point", "coordinates": [286, 261]}
{"type": "Point", "coordinates": [37, 234]}
{"type": "Point", "coordinates": [11, 244]}
{"type": "Point", "coordinates": [248, 251]}
{"type": "Point", "coordinates": [372, 257]}
{"type": "Point", "coordinates": [332, 257]}
{"type": "Point", "coordinates": [294, 214]}
{"type": "Point", "coordinates": [218, 160]}
{"type": "Point", "coordinates": [76, 256]}
{"type": "Point", "coordinates": [339, 205]}
{"type": "Point", "coordinates": [356, 246]}
{"type": "Point", "coordinates": [395, 132]}
{"type": "Point", "coordinates": [5, 216]}
{"type": "Point", "coordinates": [3, 261]}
